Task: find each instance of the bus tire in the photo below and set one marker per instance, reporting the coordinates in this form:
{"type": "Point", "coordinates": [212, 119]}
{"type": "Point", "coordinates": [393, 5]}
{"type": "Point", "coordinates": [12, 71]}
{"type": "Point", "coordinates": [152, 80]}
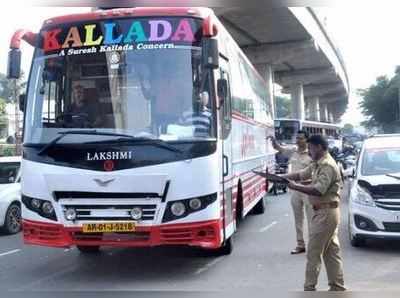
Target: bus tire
{"type": "Point", "coordinates": [259, 208]}
{"type": "Point", "coordinates": [86, 249]}
{"type": "Point", "coordinates": [225, 249]}
{"type": "Point", "coordinates": [239, 204]}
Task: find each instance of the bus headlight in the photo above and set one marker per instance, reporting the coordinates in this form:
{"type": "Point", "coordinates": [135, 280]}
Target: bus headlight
{"type": "Point", "coordinates": [35, 203]}
{"type": "Point", "coordinates": [136, 213]}
{"type": "Point", "coordinates": [178, 209]}
{"type": "Point", "coordinates": [195, 204]}
{"type": "Point", "coordinates": [42, 207]}
{"type": "Point", "coordinates": [47, 208]}
{"type": "Point", "coordinates": [182, 208]}
{"type": "Point", "coordinates": [70, 214]}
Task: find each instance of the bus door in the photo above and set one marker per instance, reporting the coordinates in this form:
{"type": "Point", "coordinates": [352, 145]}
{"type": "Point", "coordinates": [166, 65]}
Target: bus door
{"type": "Point", "coordinates": [224, 95]}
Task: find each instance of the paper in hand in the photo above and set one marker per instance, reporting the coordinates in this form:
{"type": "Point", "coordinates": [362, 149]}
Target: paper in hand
{"type": "Point", "coordinates": [272, 177]}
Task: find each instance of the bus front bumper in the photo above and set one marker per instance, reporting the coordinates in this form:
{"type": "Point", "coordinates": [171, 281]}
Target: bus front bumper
{"type": "Point", "coordinates": [205, 234]}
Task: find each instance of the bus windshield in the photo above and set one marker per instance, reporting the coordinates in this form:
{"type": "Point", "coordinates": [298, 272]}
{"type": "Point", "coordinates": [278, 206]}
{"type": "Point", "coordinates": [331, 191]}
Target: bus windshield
{"type": "Point", "coordinates": [153, 88]}
{"type": "Point", "coordinates": [285, 131]}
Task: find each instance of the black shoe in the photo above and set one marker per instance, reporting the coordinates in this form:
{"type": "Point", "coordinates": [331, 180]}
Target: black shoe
{"type": "Point", "coordinates": [298, 250]}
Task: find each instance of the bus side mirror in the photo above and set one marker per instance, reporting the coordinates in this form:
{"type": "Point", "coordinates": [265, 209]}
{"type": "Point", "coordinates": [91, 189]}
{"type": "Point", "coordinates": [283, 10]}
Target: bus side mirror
{"type": "Point", "coordinates": [22, 98]}
{"type": "Point", "coordinates": [222, 89]}
{"type": "Point", "coordinates": [14, 64]}
{"type": "Point", "coordinates": [210, 53]}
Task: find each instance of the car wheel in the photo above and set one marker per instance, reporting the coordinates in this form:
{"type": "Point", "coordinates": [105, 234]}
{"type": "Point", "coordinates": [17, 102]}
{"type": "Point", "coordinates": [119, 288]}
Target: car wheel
{"type": "Point", "coordinates": [356, 241]}
{"type": "Point", "coordinates": [12, 222]}
{"type": "Point", "coordinates": [88, 249]}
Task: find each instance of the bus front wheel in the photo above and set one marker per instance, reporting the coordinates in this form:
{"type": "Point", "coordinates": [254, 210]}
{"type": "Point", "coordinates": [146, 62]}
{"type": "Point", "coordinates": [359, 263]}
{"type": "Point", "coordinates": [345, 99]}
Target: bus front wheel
{"type": "Point", "coordinates": [225, 249]}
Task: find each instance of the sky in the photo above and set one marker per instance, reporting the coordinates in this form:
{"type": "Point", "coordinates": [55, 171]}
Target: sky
{"type": "Point", "coordinates": [366, 35]}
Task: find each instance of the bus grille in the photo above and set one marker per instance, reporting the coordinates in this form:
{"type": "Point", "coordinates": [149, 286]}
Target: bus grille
{"type": "Point", "coordinates": [110, 212]}
{"type": "Point", "coordinates": [120, 237]}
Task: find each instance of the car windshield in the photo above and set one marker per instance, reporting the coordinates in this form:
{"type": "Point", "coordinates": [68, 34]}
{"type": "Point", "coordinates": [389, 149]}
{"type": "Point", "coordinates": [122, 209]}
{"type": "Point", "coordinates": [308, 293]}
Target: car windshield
{"type": "Point", "coordinates": [144, 90]}
{"type": "Point", "coordinates": [381, 162]}
{"type": "Point", "coordinates": [8, 172]}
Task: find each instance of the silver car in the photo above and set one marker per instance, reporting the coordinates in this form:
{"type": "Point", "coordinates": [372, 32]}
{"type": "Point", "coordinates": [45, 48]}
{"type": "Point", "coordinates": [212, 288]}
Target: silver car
{"type": "Point", "coordinates": [374, 204]}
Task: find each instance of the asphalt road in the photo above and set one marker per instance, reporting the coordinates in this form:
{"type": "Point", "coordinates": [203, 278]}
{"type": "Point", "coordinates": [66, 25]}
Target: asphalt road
{"type": "Point", "coordinates": [260, 261]}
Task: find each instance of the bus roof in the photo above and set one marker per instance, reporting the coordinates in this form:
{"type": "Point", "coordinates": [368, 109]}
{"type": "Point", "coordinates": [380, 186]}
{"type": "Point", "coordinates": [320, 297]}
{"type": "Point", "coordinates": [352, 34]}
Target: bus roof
{"type": "Point", "coordinates": [201, 12]}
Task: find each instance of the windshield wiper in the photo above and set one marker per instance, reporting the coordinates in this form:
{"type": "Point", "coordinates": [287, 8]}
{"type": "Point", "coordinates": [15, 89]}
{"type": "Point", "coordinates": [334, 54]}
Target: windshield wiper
{"type": "Point", "coordinates": [144, 141]}
{"type": "Point", "coordinates": [124, 137]}
{"type": "Point", "coordinates": [393, 176]}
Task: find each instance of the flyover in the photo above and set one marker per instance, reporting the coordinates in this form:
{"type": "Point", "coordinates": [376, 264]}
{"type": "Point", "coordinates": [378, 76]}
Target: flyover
{"type": "Point", "coordinates": [290, 46]}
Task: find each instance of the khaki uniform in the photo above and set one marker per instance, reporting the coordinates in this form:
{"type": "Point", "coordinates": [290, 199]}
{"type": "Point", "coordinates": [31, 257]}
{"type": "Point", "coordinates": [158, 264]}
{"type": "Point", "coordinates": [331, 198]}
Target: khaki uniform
{"type": "Point", "coordinates": [299, 160]}
{"type": "Point", "coordinates": [323, 234]}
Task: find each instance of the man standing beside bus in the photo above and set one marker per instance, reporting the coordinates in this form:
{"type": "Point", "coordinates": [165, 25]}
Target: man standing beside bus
{"type": "Point", "coordinates": [324, 196]}
{"type": "Point", "coordinates": [299, 159]}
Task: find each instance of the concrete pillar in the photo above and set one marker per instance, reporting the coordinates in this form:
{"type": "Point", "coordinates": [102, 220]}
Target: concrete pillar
{"type": "Point", "coordinates": [324, 112]}
{"type": "Point", "coordinates": [269, 79]}
{"type": "Point", "coordinates": [313, 102]}
{"type": "Point", "coordinates": [297, 96]}
{"type": "Point", "coordinates": [331, 119]}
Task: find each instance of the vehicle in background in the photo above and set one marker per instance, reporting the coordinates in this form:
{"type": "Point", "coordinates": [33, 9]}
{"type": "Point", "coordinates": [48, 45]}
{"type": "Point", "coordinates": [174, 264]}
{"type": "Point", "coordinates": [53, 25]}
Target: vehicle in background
{"type": "Point", "coordinates": [10, 194]}
{"type": "Point", "coordinates": [374, 201]}
{"type": "Point", "coordinates": [286, 130]}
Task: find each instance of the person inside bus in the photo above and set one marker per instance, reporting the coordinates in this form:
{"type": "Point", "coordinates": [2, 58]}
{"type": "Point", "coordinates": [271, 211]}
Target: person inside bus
{"type": "Point", "coordinates": [299, 159]}
{"type": "Point", "coordinates": [199, 116]}
{"type": "Point", "coordinates": [83, 112]}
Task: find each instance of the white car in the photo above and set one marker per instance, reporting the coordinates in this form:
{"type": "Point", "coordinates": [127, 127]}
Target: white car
{"type": "Point", "coordinates": [10, 194]}
{"type": "Point", "coordinates": [374, 201]}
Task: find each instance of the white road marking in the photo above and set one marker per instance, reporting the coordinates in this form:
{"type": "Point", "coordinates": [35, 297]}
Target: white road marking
{"type": "Point", "coordinates": [9, 252]}
{"type": "Point", "coordinates": [208, 265]}
{"type": "Point", "coordinates": [266, 228]}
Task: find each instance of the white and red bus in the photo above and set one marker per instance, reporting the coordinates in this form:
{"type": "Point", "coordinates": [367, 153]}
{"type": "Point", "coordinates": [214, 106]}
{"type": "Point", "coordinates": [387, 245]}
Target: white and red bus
{"type": "Point", "coordinates": [108, 159]}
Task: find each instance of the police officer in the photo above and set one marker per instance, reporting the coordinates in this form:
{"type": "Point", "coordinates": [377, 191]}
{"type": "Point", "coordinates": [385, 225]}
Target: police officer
{"type": "Point", "coordinates": [324, 195]}
{"type": "Point", "coordinates": [299, 159]}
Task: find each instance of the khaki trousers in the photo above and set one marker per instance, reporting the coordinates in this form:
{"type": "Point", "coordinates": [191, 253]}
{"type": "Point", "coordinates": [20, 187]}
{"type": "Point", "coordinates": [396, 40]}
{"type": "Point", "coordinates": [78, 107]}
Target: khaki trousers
{"type": "Point", "coordinates": [300, 203]}
{"type": "Point", "coordinates": [324, 243]}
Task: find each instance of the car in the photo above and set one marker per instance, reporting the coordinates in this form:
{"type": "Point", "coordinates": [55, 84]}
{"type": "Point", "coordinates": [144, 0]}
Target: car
{"type": "Point", "coordinates": [374, 199]}
{"type": "Point", "coordinates": [10, 195]}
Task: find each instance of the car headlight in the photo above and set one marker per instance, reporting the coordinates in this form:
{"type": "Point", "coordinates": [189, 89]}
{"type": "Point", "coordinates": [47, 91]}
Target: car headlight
{"type": "Point", "coordinates": [361, 196]}
{"type": "Point", "coordinates": [178, 209]}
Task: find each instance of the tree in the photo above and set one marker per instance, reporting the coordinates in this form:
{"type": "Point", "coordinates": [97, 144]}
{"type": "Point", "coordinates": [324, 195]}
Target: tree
{"type": "Point", "coordinates": [380, 103]}
{"type": "Point", "coordinates": [348, 128]}
{"type": "Point", "coordinates": [7, 87]}
{"type": "Point", "coordinates": [283, 107]}
{"type": "Point", "coordinates": [3, 117]}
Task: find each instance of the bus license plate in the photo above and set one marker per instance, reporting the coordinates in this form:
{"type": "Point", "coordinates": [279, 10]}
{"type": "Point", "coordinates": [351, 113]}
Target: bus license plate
{"type": "Point", "coordinates": [109, 227]}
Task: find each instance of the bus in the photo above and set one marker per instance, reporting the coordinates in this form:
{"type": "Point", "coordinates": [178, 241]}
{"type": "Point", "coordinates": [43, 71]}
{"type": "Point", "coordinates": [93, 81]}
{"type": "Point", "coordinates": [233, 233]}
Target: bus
{"type": "Point", "coordinates": [109, 158]}
{"type": "Point", "coordinates": [286, 129]}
